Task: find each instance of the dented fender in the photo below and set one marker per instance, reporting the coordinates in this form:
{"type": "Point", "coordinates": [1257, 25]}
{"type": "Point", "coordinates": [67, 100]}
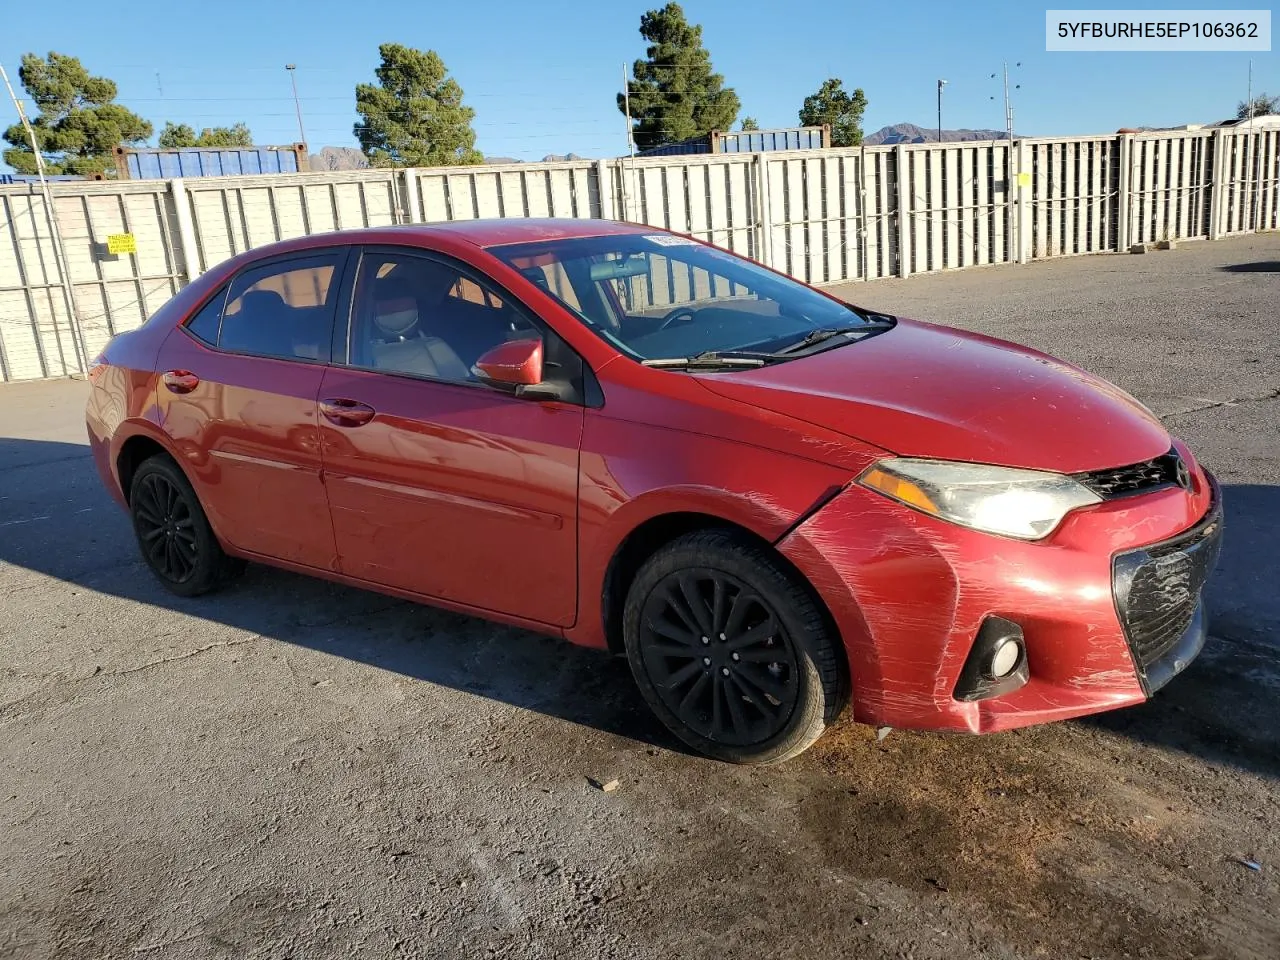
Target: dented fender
{"type": "Point", "coordinates": [633, 473]}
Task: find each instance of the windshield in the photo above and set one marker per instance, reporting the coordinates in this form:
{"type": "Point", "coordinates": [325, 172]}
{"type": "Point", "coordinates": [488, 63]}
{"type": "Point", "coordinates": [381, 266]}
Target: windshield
{"type": "Point", "coordinates": [659, 296]}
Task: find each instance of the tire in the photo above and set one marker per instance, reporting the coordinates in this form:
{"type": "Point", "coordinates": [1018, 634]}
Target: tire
{"type": "Point", "coordinates": [762, 677]}
{"type": "Point", "coordinates": [173, 533]}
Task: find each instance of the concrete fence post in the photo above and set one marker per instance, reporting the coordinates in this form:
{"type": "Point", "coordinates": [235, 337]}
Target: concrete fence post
{"type": "Point", "coordinates": [1023, 198]}
{"type": "Point", "coordinates": [1124, 194]}
{"type": "Point", "coordinates": [188, 252]}
{"type": "Point", "coordinates": [412, 203]}
{"type": "Point", "coordinates": [622, 200]}
{"type": "Point", "coordinates": [901, 175]}
{"type": "Point", "coordinates": [764, 213]}
{"type": "Point", "coordinates": [604, 187]}
{"type": "Point", "coordinates": [1218, 188]}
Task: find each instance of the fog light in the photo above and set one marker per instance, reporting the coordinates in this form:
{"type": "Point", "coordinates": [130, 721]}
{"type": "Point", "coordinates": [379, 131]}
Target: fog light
{"type": "Point", "coordinates": [997, 661]}
{"type": "Point", "coordinates": [1005, 659]}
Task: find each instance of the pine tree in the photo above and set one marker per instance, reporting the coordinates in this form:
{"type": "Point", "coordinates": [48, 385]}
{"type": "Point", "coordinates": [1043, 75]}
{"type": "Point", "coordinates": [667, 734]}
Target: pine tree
{"type": "Point", "coordinates": [176, 135]}
{"type": "Point", "coordinates": [78, 124]}
{"type": "Point", "coordinates": [842, 110]}
{"type": "Point", "coordinates": [1259, 106]}
{"type": "Point", "coordinates": [675, 94]}
{"type": "Point", "coordinates": [414, 115]}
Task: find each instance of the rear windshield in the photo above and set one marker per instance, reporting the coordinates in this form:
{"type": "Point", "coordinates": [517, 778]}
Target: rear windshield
{"type": "Point", "coordinates": [657, 296]}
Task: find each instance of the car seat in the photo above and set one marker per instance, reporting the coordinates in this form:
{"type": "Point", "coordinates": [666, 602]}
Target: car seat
{"type": "Point", "coordinates": [398, 341]}
{"type": "Point", "coordinates": [262, 325]}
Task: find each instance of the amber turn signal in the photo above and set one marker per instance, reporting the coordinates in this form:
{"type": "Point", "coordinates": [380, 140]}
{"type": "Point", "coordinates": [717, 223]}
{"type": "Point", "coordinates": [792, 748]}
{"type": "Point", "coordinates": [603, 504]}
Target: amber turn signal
{"type": "Point", "coordinates": [899, 489]}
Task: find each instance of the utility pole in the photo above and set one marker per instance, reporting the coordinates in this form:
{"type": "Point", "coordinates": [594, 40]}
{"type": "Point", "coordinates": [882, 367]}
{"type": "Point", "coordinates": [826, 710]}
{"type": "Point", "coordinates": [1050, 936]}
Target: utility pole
{"type": "Point", "coordinates": [59, 254]}
{"type": "Point", "coordinates": [1253, 151]}
{"type": "Point", "coordinates": [1008, 108]}
{"type": "Point", "coordinates": [1012, 192]}
{"type": "Point", "coordinates": [1249, 97]}
{"type": "Point", "coordinates": [631, 139]}
{"type": "Point", "coordinates": [297, 104]}
{"type": "Point", "coordinates": [941, 84]}
{"type": "Point", "coordinates": [1008, 104]}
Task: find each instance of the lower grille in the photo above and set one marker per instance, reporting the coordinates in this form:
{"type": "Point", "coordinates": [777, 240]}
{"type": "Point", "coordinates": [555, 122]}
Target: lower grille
{"type": "Point", "coordinates": [1157, 588]}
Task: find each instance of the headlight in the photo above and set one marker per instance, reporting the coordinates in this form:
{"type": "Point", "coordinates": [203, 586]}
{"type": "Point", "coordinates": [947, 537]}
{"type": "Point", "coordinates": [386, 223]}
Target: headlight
{"type": "Point", "coordinates": [1027, 504]}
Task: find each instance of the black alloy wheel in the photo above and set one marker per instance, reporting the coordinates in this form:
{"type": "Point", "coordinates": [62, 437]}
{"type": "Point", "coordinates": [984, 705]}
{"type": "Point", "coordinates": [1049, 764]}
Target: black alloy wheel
{"type": "Point", "coordinates": [731, 648]}
{"type": "Point", "coordinates": [719, 657]}
{"type": "Point", "coordinates": [173, 532]}
{"type": "Point", "coordinates": [165, 527]}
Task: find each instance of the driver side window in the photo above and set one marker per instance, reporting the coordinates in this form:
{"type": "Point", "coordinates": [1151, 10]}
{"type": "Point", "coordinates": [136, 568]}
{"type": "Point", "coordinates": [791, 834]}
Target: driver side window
{"type": "Point", "coordinates": [423, 317]}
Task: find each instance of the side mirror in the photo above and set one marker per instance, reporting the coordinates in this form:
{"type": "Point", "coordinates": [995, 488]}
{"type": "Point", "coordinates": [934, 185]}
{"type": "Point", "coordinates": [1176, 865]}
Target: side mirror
{"type": "Point", "coordinates": [516, 363]}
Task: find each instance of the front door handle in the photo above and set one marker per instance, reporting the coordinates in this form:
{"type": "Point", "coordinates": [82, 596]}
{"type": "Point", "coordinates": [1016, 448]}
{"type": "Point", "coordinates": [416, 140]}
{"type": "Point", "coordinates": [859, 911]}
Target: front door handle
{"type": "Point", "coordinates": [180, 381]}
{"type": "Point", "coordinates": [346, 413]}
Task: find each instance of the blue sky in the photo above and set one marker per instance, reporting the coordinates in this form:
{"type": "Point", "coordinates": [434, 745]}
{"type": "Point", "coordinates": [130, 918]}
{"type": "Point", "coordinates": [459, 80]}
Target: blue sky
{"type": "Point", "coordinates": [542, 75]}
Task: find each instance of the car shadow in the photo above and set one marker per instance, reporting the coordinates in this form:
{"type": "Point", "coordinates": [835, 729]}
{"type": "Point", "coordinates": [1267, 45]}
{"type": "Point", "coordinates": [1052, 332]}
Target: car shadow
{"type": "Point", "coordinates": [1256, 266]}
{"type": "Point", "coordinates": [56, 520]}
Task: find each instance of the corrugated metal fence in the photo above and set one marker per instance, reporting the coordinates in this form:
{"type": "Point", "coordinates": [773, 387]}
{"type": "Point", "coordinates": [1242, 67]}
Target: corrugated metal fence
{"type": "Point", "coordinates": [823, 216]}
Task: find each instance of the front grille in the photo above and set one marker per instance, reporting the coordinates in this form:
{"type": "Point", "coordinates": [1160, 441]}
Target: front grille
{"type": "Point", "coordinates": [1134, 478]}
{"type": "Point", "coordinates": [1157, 588]}
{"type": "Point", "coordinates": [1162, 602]}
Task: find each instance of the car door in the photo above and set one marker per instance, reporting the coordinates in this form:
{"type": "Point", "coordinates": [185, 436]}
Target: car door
{"type": "Point", "coordinates": [439, 484]}
{"type": "Point", "coordinates": [237, 394]}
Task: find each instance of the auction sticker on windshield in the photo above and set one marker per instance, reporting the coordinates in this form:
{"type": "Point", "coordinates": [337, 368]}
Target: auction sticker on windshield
{"type": "Point", "coordinates": [665, 240]}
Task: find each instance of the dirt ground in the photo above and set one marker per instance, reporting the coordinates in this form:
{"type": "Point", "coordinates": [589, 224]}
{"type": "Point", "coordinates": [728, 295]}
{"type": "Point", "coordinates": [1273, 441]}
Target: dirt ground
{"type": "Point", "coordinates": [296, 769]}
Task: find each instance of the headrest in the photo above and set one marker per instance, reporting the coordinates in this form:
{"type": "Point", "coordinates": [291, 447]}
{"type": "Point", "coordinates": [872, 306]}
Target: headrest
{"type": "Point", "coordinates": [262, 301]}
{"type": "Point", "coordinates": [395, 307]}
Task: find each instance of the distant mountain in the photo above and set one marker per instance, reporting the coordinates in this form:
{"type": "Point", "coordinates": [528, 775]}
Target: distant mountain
{"type": "Point", "coordinates": [910, 133]}
{"type": "Point", "coordinates": [549, 158]}
{"type": "Point", "coordinates": [339, 158]}
{"type": "Point", "coordinates": [350, 158]}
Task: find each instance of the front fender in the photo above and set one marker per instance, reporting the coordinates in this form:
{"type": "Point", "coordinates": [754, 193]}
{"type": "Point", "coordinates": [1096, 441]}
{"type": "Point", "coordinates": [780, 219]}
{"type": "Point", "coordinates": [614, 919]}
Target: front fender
{"type": "Point", "coordinates": [632, 473]}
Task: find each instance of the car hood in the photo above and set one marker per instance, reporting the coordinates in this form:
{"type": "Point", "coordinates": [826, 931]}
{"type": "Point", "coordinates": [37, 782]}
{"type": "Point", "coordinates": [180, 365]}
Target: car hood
{"type": "Point", "coordinates": [930, 391]}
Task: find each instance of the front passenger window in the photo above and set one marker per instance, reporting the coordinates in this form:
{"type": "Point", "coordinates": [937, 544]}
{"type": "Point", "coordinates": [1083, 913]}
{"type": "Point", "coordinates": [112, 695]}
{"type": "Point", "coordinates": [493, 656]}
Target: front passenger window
{"type": "Point", "coordinates": [420, 316]}
{"type": "Point", "coordinates": [283, 309]}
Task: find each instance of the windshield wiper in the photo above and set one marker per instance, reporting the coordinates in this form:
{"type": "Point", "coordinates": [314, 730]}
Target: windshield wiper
{"type": "Point", "coordinates": [709, 359]}
{"type": "Point", "coordinates": [822, 334]}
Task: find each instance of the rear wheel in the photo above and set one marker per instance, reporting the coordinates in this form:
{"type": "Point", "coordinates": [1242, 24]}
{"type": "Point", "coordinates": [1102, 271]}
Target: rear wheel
{"type": "Point", "coordinates": [173, 532]}
{"type": "Point", "coordinates": [731, 650]}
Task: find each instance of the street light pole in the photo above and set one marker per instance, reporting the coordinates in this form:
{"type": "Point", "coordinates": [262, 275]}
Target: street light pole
{"type": "Point", "coordinates": [941, 84]}
{"type": "Point", "coordinates": [297, 104]}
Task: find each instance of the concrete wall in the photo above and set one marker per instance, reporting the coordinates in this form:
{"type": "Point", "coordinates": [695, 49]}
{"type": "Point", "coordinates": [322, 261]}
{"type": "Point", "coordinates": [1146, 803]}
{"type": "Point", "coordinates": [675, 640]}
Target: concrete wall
{"type": "Point", "coordinates": [823, 216]}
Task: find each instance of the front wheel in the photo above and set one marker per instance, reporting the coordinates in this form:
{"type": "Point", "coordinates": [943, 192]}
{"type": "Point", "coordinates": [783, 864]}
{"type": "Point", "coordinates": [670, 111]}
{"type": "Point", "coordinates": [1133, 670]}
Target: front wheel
{"type": "Point", "coordinates": [173, 532]}
{"type": "Point", "coordinates": [730, 649]}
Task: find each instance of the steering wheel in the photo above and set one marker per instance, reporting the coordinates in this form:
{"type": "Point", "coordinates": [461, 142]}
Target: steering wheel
{"type": "Point", "coordinates": [675, 315]}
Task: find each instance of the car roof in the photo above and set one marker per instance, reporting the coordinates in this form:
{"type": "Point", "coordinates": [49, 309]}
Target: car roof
{"type": "Point", "coordinates": [481, 233]}
{"type": "Point", "coordinates": [494, 231]}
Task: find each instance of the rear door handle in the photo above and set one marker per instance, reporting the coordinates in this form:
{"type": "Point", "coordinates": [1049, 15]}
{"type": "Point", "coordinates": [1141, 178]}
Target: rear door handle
{"type": "Point", "coordinates": [180, 381]}
{"type": "Point", "coordinates": [346, 413]}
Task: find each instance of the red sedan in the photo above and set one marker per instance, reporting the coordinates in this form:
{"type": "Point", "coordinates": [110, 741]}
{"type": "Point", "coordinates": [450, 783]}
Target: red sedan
{"type": "Point", "coordinates": [772, 502]}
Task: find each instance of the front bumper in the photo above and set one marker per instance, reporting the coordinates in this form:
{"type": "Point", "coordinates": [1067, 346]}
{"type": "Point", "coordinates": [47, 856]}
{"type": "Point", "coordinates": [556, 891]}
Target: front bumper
{"type": "Point", "coordinates": [909, 594]}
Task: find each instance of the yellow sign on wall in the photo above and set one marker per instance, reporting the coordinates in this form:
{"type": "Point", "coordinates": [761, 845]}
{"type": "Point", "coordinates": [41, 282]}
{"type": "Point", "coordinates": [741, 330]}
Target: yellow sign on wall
{"type": "Point", "coordinates": [121, 243]}
{"type": "Point", "coordinates": [1024, 180]}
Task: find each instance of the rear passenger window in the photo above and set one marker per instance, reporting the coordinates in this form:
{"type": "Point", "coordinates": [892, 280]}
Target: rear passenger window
{"type": "Point", "coordinates": [204, 325]}
{"type": "Point", "coordinates": [283, 309]}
